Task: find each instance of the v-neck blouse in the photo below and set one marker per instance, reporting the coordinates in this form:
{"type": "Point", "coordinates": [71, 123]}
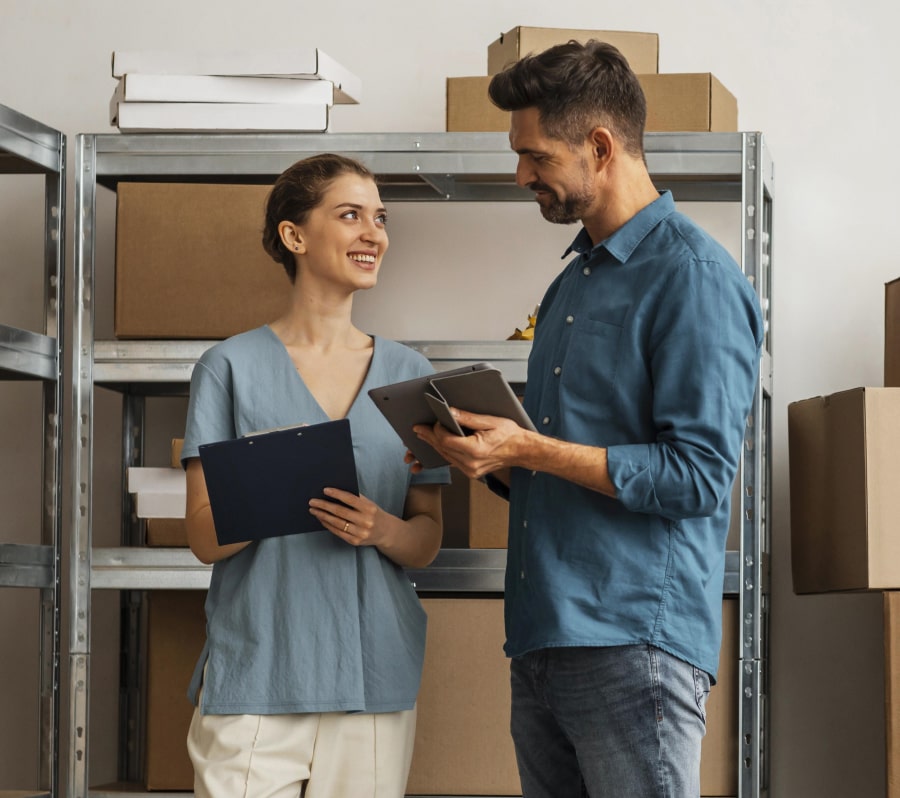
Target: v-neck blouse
{"type": "Point", "coordinates": [307, 623]}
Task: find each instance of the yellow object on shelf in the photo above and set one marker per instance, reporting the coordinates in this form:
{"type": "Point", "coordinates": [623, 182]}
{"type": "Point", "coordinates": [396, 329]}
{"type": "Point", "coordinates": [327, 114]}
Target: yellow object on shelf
{"type": "Point", "coordinates": [528, 333]}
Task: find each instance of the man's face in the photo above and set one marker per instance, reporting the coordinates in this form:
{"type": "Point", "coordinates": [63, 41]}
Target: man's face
{"type": "Point", "coordinates": [560, 177]}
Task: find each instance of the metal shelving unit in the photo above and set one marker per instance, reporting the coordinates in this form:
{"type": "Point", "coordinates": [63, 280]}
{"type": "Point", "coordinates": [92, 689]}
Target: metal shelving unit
{"type": "Point", "coordinates": [29, 147]}
{"type": "Point", "coordinates": [435, 167]}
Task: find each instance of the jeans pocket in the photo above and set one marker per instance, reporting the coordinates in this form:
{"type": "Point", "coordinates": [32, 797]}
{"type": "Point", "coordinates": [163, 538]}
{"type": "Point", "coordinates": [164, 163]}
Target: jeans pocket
{"type": "Point", "coordinates": [701, 691]}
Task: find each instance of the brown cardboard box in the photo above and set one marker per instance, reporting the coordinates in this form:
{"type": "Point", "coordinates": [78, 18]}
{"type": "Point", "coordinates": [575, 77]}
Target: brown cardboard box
{"type": "Point", "coordinates": [470, 110]}
{"type": "Point", "coordinates": [892, 691]}
{"type": "Point", "coordinates": [190, 262]}
{"type": "Point", "coordinates": [175, 461]}
{"type": "Point", "coordinates": [692, 102]}
{"type": "Point", "coordinates": [176, 629]}
{"type": "Point", "coordinates": [463, 746]}
{"type": "Point", "coordinates": [474, 517]}
{"type": "Point", "coordinates": [488, 517]}
{"type": "Point", "coordinates": [641, 50]}
{"type": "Point", "coordinates": [892, 334]}
{"type": "Point", "coordinates": [678, 102]}
{"type": "Point", "coordinates": [844, 502]}
{"type": "Point", "coordinates": [719, 756]}
{"type": "Point", "coordinates": [166, 532]}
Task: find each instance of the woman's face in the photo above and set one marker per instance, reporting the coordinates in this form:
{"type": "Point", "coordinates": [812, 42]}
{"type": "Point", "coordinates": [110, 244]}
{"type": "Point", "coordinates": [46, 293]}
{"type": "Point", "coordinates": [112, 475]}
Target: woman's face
{"type": "Point", "coordinates": [344, 236]}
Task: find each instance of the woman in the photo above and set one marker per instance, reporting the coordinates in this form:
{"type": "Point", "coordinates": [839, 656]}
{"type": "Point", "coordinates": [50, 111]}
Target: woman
{"type": "Point", "coordinates": [315, 642]}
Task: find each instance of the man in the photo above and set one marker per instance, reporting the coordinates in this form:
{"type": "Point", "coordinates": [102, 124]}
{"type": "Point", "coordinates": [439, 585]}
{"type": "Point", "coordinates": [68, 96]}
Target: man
{"type": "Point", "coordinates": [640, 380]}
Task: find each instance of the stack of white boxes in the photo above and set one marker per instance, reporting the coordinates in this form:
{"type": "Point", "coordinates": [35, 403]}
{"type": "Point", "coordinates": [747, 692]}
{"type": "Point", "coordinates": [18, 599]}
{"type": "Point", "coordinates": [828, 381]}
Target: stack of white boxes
{"type": "Point", "coordinates": [263, 91]}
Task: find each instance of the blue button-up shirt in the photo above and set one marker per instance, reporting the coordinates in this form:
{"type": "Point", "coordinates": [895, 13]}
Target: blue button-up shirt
{"type": "Point", "coordinates": [647, 344]}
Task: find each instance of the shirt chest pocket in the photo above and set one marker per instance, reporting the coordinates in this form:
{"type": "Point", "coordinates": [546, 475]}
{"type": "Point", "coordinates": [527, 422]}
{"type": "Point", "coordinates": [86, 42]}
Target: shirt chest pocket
{"type": "Point", "coordinates": [592, 361]}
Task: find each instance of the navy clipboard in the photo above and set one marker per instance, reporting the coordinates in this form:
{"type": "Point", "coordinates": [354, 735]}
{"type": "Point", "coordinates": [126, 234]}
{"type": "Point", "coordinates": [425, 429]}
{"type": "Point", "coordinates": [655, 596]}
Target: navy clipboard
{"type": "Point", "coordinates": [260, 485]}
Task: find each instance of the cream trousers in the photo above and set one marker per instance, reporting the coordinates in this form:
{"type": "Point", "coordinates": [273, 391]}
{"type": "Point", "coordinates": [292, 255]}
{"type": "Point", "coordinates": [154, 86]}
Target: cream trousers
{"type": "Point", "coordinates": [328, 755]}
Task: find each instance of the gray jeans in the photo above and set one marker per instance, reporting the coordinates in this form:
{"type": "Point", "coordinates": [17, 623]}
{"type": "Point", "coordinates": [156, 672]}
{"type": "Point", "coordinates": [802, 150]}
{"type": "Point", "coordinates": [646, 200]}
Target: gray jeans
{"type": "Point", "coordinates": [617, 722]}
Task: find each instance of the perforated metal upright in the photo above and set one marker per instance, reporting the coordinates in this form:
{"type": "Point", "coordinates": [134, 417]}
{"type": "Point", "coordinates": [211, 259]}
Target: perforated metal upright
{"type": "Point", "coordinates": [437, 167]}
{"type": "Point", "coordinates": [29, 147]}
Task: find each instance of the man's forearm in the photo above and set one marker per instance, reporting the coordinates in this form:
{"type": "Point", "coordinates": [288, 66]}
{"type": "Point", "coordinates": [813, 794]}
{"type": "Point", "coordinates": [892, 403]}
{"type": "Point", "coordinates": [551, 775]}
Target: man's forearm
{"type": "Point", "coordinates": [583, 465]}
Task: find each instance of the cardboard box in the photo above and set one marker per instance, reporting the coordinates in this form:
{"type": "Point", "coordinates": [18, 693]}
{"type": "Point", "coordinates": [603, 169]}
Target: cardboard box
{"type": "Point", "coordinates": [177, 444]}
{"type": "Point", "coordinates": [168, 532]}
{"type": "Point", "coordinates": [844, 472]}
{"type": "Point", "coordinates": [488, 518]}
{"type": "Point", "coordinates": [688, 102]}
{"type": "Point", "coordinates": [474, 517]}
{"type": "Point", "coordinates": [190, 262]}
{"type": "Point", "coordinates": [892, 692]}
{"type": "Point", "coordinates": [463, 745]}
{"type": "Point", "coordinates": [677, 102]}
{"type": "Point", "coordinates": [719, 755]}
{"type": "Point", "coordinates": [892, 334]}
{"type": "Point", "coordinates": [641, 50]}
{"type": "Point", "coordinates": [176, 631]}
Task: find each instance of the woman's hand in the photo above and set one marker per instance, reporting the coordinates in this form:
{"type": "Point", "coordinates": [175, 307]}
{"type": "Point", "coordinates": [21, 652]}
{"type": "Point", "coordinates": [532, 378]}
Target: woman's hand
{"type": "Point", "coordinates": [354, 519]}
{"type": "Point", "coordinates": [412, 541]}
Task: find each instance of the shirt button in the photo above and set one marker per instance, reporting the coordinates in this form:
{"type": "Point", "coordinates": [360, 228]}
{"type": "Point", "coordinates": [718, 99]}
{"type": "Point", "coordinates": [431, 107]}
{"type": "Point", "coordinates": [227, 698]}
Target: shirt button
{"type": "Point", "coordinates": [586, 270]}
{"type": "Point", "coordinates": [570, 319]}
{"type": "Point", "coordinates": [525, 524]}
{"type": "Point", "coordinates": [534, 473]}
{"type": "Point", "coordinates": [557, 371]}
{"type": "Point", "coordinates": [521, 574]}
{"type": "Point", "coordinates": [545, 420]}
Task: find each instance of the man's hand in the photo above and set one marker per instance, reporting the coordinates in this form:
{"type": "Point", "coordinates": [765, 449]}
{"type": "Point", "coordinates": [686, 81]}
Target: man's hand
{"type": "Point", "coordinates": [494, 443]}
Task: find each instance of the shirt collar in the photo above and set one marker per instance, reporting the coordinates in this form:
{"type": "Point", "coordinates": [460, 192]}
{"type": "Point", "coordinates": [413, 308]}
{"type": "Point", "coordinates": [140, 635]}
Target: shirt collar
{"type": "Point", "coordinates": [626, 239]}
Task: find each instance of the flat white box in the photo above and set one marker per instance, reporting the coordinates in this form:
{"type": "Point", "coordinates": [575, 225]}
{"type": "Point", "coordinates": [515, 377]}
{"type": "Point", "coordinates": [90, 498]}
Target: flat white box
{"type": "Point", "coordinates": [222, 89]}
{"type": "Point", "coordinates": [294, 62]}
{"type": "Point", "coordinates": [201, 117]}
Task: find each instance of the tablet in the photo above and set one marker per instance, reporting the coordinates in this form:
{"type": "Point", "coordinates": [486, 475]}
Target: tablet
{"type": "Point", "coordinates": [479, 388]}
{"type": "Point", "coordinates": [260, 485]}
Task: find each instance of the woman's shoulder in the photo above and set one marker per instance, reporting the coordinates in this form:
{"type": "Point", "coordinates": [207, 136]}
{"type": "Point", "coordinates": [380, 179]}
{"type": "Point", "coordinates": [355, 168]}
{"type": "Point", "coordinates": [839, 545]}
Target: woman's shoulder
{"type": "Point", "coordinates": [243, 345]}
{"type": "Point", "coordinates": [400, 360]}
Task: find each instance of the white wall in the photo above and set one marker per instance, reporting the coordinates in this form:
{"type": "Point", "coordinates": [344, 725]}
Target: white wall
{"type": "Point", "coordinates": [817, 77]}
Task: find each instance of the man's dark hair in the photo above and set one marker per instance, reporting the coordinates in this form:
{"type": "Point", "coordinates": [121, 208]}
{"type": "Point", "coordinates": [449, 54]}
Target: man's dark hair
{"type": "Point", "coordinates": [575, 88]}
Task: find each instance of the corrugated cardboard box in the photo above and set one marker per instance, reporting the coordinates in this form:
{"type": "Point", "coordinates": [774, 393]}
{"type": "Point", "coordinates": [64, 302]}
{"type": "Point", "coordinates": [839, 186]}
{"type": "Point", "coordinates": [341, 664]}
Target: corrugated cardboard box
{"type": "Point", "coordinates": [892, 334]}
{"type": "Point", "coordinates": [463, 745]}
{"type": "Point", "coordinates": [474, 517]}
{"type": "Point", "coordinates": [679, 102]}
{"type": "Point", "coordinates": [688, 102]}
{"type": "Point", "coordinates": [169, 532]}
{"type": "Point", "coordinates": [844, 472]}
{"type": "Point", "coordinates": [190, 261]}
{"type": "Point", "coordinates": [176, 632]}
{"type": "Point", "coordinates": [641, 50]}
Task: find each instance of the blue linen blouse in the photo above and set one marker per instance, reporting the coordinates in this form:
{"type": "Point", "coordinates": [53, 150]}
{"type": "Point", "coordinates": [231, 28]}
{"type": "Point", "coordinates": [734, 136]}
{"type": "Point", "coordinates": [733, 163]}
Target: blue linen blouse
{"type": "Point", "coordinates": [307, 622]}
{"type": "Point", "coordinates": [647, 344]}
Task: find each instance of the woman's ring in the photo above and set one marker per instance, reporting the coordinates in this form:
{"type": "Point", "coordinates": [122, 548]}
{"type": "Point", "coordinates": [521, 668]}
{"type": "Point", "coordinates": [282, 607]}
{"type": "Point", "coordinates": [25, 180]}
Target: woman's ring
{"type": "Point", "coordinates": [346, 526]}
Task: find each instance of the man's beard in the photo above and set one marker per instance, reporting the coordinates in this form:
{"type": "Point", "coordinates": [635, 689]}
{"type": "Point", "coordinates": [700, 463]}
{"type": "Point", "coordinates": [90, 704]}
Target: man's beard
{"type": "Point", "coordinates": [567, 211]}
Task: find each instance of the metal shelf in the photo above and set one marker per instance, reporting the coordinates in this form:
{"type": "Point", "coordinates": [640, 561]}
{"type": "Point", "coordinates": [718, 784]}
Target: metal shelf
{"type": "Point", "coordinates": [410, 166]}
{"type": "Point", "coordinates": [453, 570]}
{"type": "Point", "coordinates": [466, 167]}
{"type": "Point", "coordinates": [166, 366]}
{"type": "Point", "coordinates": [29, 147]}
{"type": "Point", "coordinates": [27, 355]}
